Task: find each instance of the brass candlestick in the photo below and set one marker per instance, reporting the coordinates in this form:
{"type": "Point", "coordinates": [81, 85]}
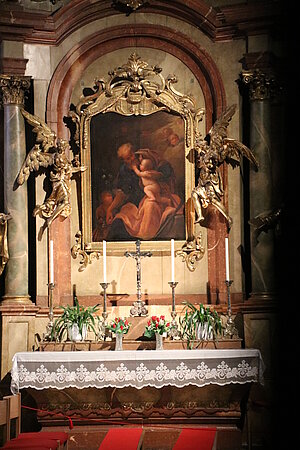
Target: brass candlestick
{"type": "Point", "coordinates": [230, 329]}
{"type": "Point", "coordinates": [49, 329]}
{"type": "Point", "coordinates": [173, 333]}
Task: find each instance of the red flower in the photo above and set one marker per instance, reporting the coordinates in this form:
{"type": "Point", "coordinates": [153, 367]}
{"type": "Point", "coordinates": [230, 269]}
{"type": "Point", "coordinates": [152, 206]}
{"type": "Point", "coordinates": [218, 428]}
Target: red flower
{"type": "Point", "coordinates": [121, 327]}
{"type": "Point", "coordinates": [114, 325]}
{"type": "Point", "coordinates": [156, 325]}
{"type": "Point", "coordinates": [167, 325]}
{"type": "Point", "coordinates": [162, 317]}
{"type": "Point", "coordinates": [153, 318]}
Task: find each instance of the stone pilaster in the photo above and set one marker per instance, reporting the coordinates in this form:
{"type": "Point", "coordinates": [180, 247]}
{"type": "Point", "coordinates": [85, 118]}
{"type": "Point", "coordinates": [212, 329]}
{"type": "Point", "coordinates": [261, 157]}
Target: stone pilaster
{"type": "Point", "coordinates": [262, 87]}
{"type": "Point", "coordinates": [13, 90]}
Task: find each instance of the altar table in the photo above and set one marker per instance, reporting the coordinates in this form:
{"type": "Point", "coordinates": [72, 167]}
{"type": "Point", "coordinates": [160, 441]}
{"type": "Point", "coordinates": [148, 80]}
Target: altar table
{"type": "Point", "coordinates": [136, 369]}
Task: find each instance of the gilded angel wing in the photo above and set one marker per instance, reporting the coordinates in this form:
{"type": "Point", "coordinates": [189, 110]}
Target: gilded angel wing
{"type": "Point", "coordinates": [35, 159]}
{"type": "Point", "coordinates": [218, 131]}
{"type": "Point", "coordinates": [228, 149]}
{"type": "Point", "coordinates": [44, 135]}
{"type": "Point", "coordinates": [40, 155]}
{"type": "Point", "coordinates": [235, 150]}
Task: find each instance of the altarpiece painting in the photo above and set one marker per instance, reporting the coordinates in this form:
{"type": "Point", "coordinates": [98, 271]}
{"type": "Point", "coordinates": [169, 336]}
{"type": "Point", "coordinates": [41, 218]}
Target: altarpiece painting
{"type": "Point", "coordinates": [154, 184]}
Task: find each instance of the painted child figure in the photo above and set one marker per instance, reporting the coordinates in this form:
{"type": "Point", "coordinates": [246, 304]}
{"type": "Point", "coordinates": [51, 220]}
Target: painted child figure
{"type": "Point", "coordinates": [149, 178]}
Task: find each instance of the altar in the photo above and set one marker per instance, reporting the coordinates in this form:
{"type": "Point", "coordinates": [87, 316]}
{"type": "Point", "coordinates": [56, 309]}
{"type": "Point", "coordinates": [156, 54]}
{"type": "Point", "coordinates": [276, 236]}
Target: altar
{"type": "Point", "coordinates": [201, 386]}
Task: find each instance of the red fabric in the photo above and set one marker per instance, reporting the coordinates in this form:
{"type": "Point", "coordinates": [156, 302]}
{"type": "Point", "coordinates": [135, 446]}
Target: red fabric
{"type": "Point", "coordinates": [196, 439]}
{"type": "Point", "coordinates": [124, 438]}
{"type": "Point", "coordinates": [21, 448]}
{"type": "Point", "coordinates": [34, 444]}
{"type": "Point", "coordinates": [60, 436]}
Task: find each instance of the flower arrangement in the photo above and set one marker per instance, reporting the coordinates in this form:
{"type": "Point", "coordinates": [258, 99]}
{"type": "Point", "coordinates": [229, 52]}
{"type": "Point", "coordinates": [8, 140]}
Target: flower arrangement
{"type": "Point", "coordinates": [200, 323]}
{"type": "Point", "coordinates": [82, 317]}
{"type": "Point", "coordinates": [119, 325]}
{"type": "Point", "coordinates": [157, 325]}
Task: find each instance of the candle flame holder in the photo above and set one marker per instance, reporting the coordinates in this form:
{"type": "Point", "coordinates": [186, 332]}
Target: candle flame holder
{"type": "Point", "coordinates": [230, 329]}
{"type": "Point", "coordinates": [174, 332]}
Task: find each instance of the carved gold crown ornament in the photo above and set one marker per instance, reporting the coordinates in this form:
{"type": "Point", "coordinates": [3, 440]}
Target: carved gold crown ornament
{"type": "Point", "coordinates": [137, 89]}
{"type": "Point", "coordinates": [132, 4]}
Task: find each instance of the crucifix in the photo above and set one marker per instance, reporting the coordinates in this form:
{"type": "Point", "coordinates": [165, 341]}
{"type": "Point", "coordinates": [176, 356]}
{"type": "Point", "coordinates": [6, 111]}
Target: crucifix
{"type": "Point", "coordinates": [138, 308]}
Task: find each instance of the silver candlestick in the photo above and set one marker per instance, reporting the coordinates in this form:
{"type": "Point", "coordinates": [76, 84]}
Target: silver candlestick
{"type": "Point", "coordinates": [104, 313]}
{"type": "Point", "coordinates": [230, 329]}
{"type": "Point", "coordinates": [49, 329]}
{"type": "Point", "coordinates": [173, 333]}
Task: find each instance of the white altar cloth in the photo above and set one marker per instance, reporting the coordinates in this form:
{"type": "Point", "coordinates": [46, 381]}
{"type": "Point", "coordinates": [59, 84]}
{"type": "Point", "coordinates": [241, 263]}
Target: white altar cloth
{"type": "Point", "coordinates": [155, 368]}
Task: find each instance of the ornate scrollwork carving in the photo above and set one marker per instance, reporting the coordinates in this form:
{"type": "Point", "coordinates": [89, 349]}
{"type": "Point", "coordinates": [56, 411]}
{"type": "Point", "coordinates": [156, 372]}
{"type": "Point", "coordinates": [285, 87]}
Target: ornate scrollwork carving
{"type": "Point", "coordinates": [86, 256]}
{"type": "Point", "coordinates": [192, 252]}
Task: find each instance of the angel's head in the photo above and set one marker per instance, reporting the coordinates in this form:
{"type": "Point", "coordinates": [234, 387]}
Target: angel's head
{"type": "Point", "coordinates": [62, 145]}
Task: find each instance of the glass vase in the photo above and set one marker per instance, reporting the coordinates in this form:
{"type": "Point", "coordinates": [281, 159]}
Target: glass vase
{"type": "Point", "coordinates": [119, 341]}
{"type": "Point", "coordinates": [159, 341]}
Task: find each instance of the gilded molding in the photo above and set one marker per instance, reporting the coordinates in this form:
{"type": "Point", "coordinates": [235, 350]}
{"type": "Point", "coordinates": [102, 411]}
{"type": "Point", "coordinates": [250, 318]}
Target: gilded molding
{"type": "Point", "coordinates": [14, 89]}
{"type": "Point", "coordinates": [262, 85]}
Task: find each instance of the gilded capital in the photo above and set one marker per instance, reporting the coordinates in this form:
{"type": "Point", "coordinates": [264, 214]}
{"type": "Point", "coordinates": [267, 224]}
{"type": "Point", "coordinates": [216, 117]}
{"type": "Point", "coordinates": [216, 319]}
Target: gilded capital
{"type": "Point", "coordinates": [13, 89]}
{"type": "Point", "coordinates": [262, 86]}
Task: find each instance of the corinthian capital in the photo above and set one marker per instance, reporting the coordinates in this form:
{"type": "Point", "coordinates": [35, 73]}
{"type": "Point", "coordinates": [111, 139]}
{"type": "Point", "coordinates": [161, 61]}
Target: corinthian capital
{"type": "Point", "coordinates": [13, 89]}
{"type": "Point", "coordinates": [261, 85]}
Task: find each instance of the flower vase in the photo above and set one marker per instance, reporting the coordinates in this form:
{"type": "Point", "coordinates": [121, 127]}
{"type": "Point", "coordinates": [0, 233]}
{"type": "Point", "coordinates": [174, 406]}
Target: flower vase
{"type": "Point", "coordinates": [74, 333]}
{"type": "Point", "coordinates": [119, 341]}
{"type": "Point", "coordinates": [159, 341]}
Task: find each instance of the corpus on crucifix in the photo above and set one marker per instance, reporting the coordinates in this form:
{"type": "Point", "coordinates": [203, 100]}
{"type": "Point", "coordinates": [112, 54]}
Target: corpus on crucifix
{"type": "Point", "coordinates": [138, 308]}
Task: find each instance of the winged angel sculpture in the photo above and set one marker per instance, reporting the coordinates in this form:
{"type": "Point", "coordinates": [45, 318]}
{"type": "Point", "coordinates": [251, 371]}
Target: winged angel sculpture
{"type": "Point", "coordinates": [50, 151]}
{"type": "Point", "coordinates": [212, 151]}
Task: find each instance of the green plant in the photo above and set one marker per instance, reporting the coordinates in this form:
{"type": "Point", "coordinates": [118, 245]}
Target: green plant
{"type": "Point", "coordinates": [193, 317]}
{"type": "Point", "coordinates": [119, 325]}
{"type": "Point", "coordinates": [157, 325]}
{"type": "Point", "coordinates": [82, 316]}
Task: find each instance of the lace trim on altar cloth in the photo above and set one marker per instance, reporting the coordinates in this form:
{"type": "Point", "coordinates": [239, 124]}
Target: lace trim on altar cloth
{"type": "Point", "coordinates": [42, 375]}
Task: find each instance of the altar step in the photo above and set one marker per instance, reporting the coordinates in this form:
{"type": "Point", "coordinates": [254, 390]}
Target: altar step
{"type": "Point", "coordinates": [157, 438]}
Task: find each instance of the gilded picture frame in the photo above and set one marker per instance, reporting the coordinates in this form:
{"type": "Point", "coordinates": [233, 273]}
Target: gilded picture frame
{"type": "Point", "coordinates": [137, 105]}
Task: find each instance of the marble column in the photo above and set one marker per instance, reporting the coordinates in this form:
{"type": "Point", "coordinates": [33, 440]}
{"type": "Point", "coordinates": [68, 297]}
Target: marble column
{"type": "Point", "coordinates": [262, 202]}
{"type": "Point", "coordinates": [15, 197]}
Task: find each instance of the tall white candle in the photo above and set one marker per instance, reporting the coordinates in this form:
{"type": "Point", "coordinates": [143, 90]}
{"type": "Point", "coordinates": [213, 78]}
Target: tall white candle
{"type": "Point", "coordinates": [104, 261]}
{"type": "Point", "coordinates": [51, 263]}
{"type": "Point", "coordinates": [227, 259]}
{"type": "Point", "coordinates": [172, 261]}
